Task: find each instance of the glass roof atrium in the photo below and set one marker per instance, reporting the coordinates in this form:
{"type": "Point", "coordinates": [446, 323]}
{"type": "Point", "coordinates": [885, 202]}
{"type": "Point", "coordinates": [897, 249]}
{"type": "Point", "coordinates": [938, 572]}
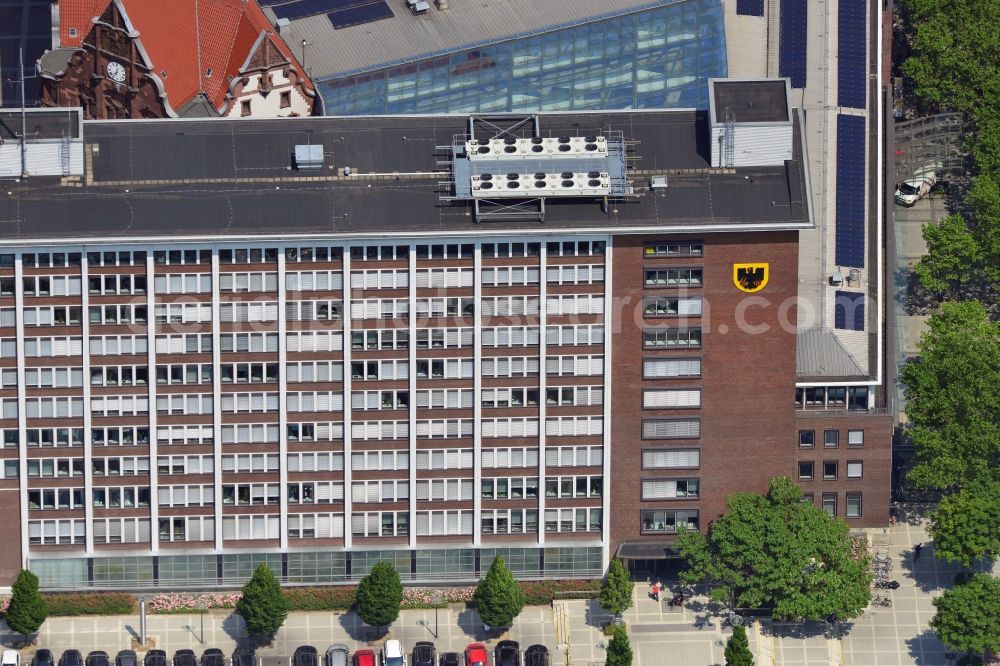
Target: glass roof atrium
{"type": "Point", "coordinates": [649, 58]}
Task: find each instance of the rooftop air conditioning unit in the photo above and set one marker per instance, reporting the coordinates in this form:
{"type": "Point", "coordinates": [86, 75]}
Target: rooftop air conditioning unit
{"type": "Point", "coordinates": [837, 278]}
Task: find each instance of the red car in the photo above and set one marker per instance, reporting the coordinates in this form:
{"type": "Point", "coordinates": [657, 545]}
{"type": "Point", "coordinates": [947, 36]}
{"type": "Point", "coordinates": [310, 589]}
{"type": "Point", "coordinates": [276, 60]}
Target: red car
{"type": "Point", "coordinates": [475, 655]}
{"type": "Point", "coordinates": [364, 658]}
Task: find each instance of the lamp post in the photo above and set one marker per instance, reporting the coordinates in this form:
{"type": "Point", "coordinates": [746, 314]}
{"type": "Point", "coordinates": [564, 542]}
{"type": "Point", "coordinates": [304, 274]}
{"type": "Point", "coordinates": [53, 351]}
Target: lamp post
{"type": "Point", "coordinates": [438, 598]}
{"type": "Point", "coordinates": [203, 607]}
{"type": "Point", "coordinates": [305, 43]}
{"type": "Point", "coordinates": [142, 621]}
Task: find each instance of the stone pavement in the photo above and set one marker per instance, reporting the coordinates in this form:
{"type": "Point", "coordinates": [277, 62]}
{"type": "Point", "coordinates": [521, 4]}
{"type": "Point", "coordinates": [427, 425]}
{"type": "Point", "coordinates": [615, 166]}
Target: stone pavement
{"type": "Point", "coordinates": [455, 626]}
{"type": "Point", "coordinates": [661, 636]}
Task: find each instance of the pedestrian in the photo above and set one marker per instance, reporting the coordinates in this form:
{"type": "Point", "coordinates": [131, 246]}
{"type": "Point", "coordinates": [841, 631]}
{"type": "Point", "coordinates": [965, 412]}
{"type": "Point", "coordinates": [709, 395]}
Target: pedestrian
{"type": "Point", "coordinates": [656, 590]}
{"type": "Point", "coordinates": [892, 520]}
{"type": "Point", "coordinates": [916, 551]}
{"type": "Point", "coordinates": [652, 591]}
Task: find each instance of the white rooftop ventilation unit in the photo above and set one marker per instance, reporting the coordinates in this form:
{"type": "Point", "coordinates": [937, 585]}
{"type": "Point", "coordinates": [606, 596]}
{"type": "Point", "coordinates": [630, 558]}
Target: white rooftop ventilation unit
{"type": "Point", "coordinates": [522, 185]}
{"type": "Point", "coordinates": [516, 148]}
{"type": "Point", "coordinates": [309, 156]}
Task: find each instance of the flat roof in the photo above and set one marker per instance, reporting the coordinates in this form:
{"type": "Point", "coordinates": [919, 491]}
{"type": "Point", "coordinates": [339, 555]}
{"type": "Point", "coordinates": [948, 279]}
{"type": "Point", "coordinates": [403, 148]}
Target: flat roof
{"type": "Point", "coordinates": [757, 101]}
{"type": "Point", "coordinates": [406, 37]}
{"type": "Point", "coordinates": [152, 179]}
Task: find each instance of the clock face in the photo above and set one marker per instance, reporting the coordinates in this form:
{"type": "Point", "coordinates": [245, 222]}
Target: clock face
{"type": "Point", "coordinates": [116, 72]}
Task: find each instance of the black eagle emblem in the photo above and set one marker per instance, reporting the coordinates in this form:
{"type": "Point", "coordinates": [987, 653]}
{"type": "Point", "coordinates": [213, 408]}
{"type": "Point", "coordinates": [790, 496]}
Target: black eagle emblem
{"type": "Point", "coordinates": [751, 278]}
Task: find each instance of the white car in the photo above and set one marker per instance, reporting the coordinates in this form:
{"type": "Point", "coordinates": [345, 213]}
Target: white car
{"type": "Point", "coordinates": [10, 658]}
{"type": "Point", "coordinates": [392, 654]}
{"type": "Point", "coordinates": [913, 190]}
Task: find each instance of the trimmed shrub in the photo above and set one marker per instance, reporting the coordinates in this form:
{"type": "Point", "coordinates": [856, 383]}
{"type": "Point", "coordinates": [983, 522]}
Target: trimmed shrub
{"type": "Point", "coordinates": [321, 598]}
{"type": "Point", "coordinates": [71, 604]}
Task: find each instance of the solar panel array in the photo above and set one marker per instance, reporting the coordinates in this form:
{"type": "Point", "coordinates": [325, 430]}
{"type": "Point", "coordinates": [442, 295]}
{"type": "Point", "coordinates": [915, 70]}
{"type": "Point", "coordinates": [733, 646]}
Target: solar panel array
{"type": "Point", "coordinates": [792, 42]}
{"type": "Point", "coordinates": [373, 11]}
{"type": "Point", "coordinates": [850, 243]}
{"type": "Point", "coordinates": [342, 13]}
{"type": "Point", "coordinates": [852, 53]}
{"type": "Point", "coordinates": [750, 7]}
{"type": "Point", "coordinates": [849, 311]}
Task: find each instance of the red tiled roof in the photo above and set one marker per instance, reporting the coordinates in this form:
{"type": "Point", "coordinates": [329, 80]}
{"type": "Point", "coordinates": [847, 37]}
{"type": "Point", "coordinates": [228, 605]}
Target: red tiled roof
{"type": "Point", "coordinates": [227, 30]}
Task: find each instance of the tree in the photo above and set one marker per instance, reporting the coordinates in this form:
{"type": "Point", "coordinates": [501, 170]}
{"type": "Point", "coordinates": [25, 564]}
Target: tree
{"type": "Point", "coordinates": [263, 605]}
{"type": "Point", "coordinates": [616, 589]}
{"type": "Point", "coordinates": [379, 595]}
{"type": "Point", "coordinates": [953, 256]}
{"type": "Point", "coordinates": [619, 649]}
{"type": "Point", "coordinates": [966, 524]}
{"type": "Point", "coordinates": [968, 615]}
{"type": "Point", "coordinates": [780, 552]}
{"type": "Point", "coordinates": [28, 609]}
{"type": "Point", "coordinates": [738, 648]}
{"type": "Point", "coordinates": [952, 401]}
{"type": "Point", "coordinates": [498, 597]}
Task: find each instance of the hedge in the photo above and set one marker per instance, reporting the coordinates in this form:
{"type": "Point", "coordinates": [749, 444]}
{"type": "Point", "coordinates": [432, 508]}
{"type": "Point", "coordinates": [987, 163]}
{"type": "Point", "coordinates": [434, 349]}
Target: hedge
{"type": "Point", "coordinates": [332, 598]}
{"type": "Point", "coordinates": [543, 592]}
{"type": "Point", "coordinates": [91, 603]}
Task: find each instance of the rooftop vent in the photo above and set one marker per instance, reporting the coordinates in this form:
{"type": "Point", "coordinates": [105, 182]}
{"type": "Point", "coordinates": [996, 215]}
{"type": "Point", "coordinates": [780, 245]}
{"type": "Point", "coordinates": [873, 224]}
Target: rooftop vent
{"type": "Point", "coordinates": [418, 6]}
{"type": "Point", "coordinates": [284, 27]}
{"type": "Point", "coordinates": [658, 183]}
{"type": "Point", "coordinates": [309, 156]}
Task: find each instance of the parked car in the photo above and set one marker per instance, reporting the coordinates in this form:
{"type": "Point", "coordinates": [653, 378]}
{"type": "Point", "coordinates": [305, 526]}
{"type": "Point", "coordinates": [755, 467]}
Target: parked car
{"type": "Point", "coordinates": [336, 655]}
{"type": "Point", "coordinates": [183, 658]}
{"type": "Point", "coordinates": [507, 653]}
{"type": "Point", "coordinates": [475, 654]}
{"type": "Point", "coordinates": [536, 655]}
{"type": "Point", "coordinates": [126, 658]}
{"type": "Point", "coordinates": [423, 654]}
{"type": "Point", "coordinates": [913, 189]}
{"type": "Point", "coordinates": [364, 658]}
{"type": "Point", "coordinates": [155, 658]}
{"type": "Point", "coordinates": [243, 657]}
{"type": "Point", "coordinates": [71, 658]}
{"type": "Point", "coordinates": [43, 657]}
{"type": "Point", "coordinates": [11, 658]}
{"type": "Point", "coordinates": [450, 659]}
{"type": "Point", "coordinates": [392, 654]}
{"type": "Point", "coordinates": [305, 655]}
{"type": "Point", "coordinates": [97, 658]}
{"type": "Point", "coordinates": [213, 657]}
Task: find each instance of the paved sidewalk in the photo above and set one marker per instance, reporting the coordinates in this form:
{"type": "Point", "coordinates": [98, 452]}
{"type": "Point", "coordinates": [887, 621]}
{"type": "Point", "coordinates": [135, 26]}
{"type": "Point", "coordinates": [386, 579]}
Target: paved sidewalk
{"type": "Point", "coordinates": [456, 627]}
{"type": "Point", "coordinates": [661, 636]}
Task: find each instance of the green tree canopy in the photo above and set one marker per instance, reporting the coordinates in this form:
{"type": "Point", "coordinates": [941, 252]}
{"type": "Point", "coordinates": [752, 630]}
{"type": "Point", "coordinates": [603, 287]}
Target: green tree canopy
{"type": "Point", "coordinates": [619, 649]}
{"type": "Point", "coordinates": [616, 589]}
{"type": "Point", "coordinates": [968, 615]}
{"type": "Point", "coordinates": [498, 597]}
{"type": "Point", "coordinates": [380, 595]}
{"type": "Point", "coordinates": [28, 609]}
{"type": "Point", "coordinates": [777, 551]}
{"type": "Point", "coordinates": [952, 401]}
{"type": "Point", "coordinates": [966, 524]}
{"type": "Point", "coordinates": [738, 648]}
{"type": "Point", "coordinates": [263, 605]}
{"type": "Point", "coordinates": [953, 64]}
{"type": "Point", "coordinates": [953, 256]}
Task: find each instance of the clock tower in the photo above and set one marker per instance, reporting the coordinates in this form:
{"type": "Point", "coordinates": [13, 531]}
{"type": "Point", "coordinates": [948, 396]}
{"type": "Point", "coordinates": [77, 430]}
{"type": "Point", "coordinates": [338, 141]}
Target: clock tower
{"type": "Point", "coordinates": [108, 74]}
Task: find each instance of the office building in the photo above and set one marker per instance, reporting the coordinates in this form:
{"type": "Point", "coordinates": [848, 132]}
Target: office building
{"type": "Point", "coordinates": [557, 337]}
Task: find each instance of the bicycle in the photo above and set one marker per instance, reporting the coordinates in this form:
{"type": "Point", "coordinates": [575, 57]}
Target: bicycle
{"type": "Point", "coordinates": [884, 602]}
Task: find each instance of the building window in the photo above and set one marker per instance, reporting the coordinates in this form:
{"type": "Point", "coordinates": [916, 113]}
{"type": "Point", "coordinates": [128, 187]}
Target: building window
{"type": "Point", "coordinates": [668, 307]}
{"type": "Point", "coordinates": [830, 469]}
{"type": "Point", "coordinates": [672, 277]}
{"type": "Point", "coordinates": [245, 107]}
{"type": "Point", "coordinates": [807, 439]}
{"type": "Point", "coordinates": [657, 338]}
{"type": "Point", "coordinates": [831, 439]}
{"type": "Point", "coordinates": [684, 249]}
{"type": "Point", "coordinates": [853, 505]}
{"type": "Point", "coordinates": [661, 521]}
{"type": "Point", "coordinates": [855, 469]}
{"type": "Point", "coordinates": [855, 438]}
{"type": "Point", "coordinates": [808, 498]}
{"type": "Point", "coordinates": [806, 469]}
{"type": "Point", "coordinates": [286, 99]}
{"type": "Point", "coordinates": [830, 503]}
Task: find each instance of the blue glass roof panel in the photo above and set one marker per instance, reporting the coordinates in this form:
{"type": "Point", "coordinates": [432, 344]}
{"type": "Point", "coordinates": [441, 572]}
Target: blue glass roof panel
{"type": "Point", "coordinates": [850, 233]}
{"type": "Point", "coordinates": [792, 42]}
{"type": "Point", "coordinates": [852, 53]}
{"type": "Point", "coordinates": [750, 7]}
{"type": "Point", "coordinates": [849, 311]}
{"type": "Point", "coordinates": [374, 11]}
